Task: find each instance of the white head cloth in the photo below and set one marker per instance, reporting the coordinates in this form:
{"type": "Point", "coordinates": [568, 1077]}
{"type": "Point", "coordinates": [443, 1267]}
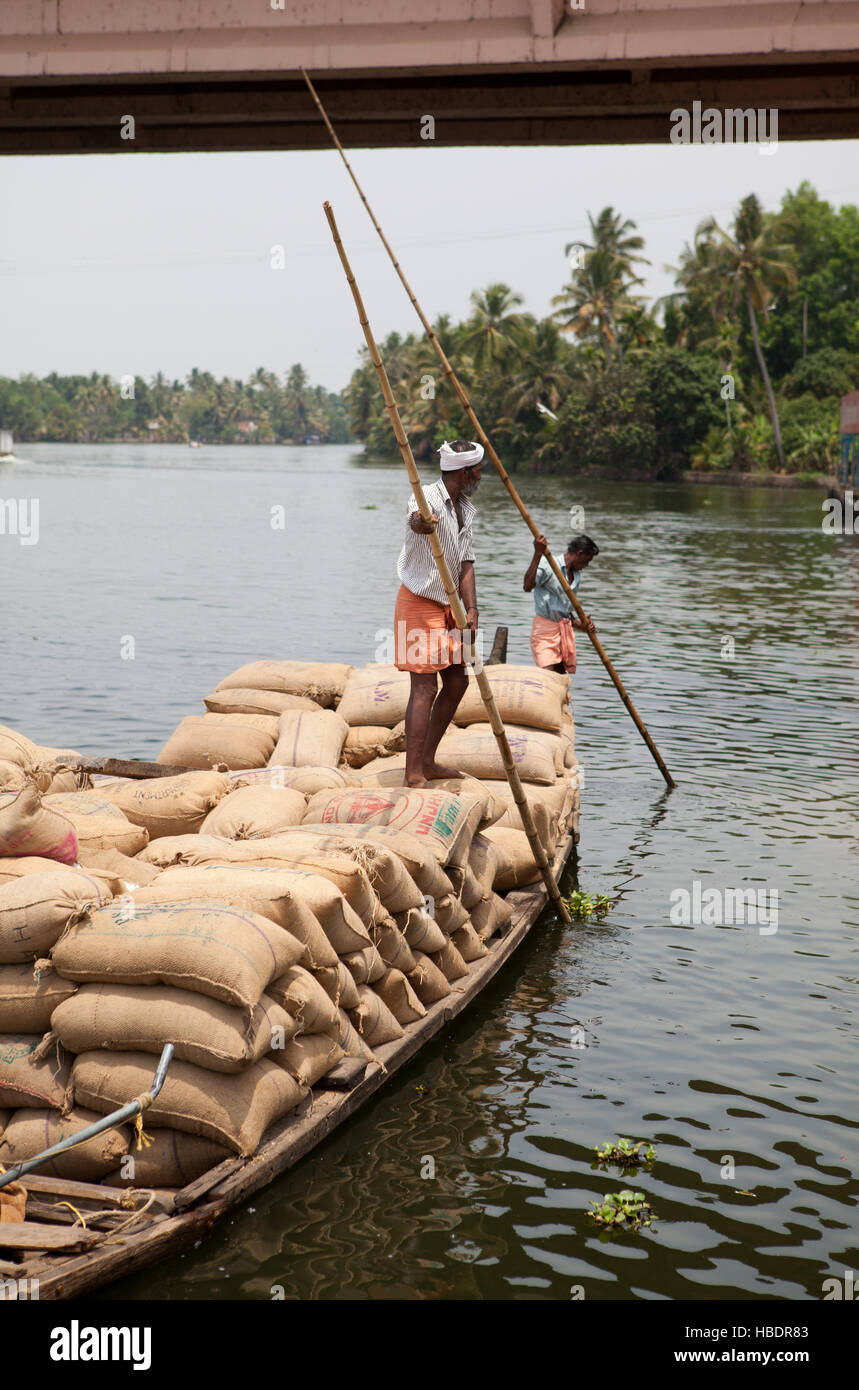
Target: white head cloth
{"type": "Point", "coordinates": [451, 460]}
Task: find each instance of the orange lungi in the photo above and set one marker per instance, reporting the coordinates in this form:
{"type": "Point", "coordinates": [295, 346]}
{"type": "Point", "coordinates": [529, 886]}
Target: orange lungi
{"type": "Point", "coordinates": [553, 642]}
{"type": "Point", "coordinates": [426, 638]}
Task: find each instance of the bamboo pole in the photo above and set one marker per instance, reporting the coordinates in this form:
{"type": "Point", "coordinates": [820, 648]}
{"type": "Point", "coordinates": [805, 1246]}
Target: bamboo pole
{"type": "Point", "coordinates": [487, 444]}
{"type": "Point", "coordinates": [451, 590]}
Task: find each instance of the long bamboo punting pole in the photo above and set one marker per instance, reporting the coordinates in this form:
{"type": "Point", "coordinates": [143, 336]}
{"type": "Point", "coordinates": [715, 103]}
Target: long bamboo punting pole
{"type": "Point", "coordinates": [487, 444]}
{"type": "Point", "coordinates": [451, 590]}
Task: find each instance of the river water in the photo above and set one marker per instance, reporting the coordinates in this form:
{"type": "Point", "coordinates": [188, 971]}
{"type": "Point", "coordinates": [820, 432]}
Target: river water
{"type": "Point", "coordinates": [731, 1048]}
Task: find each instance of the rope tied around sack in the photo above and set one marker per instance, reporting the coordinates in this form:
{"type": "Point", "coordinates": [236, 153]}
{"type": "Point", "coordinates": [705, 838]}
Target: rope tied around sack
{"type": "Point", "coordinates": [144, 1100]}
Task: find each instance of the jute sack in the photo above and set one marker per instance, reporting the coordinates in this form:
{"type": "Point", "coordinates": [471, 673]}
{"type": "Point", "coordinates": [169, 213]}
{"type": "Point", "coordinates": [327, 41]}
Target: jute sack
{"type": "Point", "coordinates": [5, 1117]}
{"type": "Point", "coordinates": [471, 891]}
{"type": "Point", "coordinates": [527, 695]}
{"type": "Point", "coordinates": [28, 997]}
{"type": "Point", "coordinates": [217, 951]}
{"type": "Point", "coordinates": [22, 867]}
{"type": "Point", "coordinates": [37, 909]}
{"type": "Point", "coordinates": [233, 1110]}
{"type": "Point", "coordinates": [375, 695]}
{"type": "Point", "coordinates": [322, 681]}
{"type": "Point", "coordinates": [468, 943]}
{"type": "Point", "coordinates": [304, 853]}
{"type": "Point", "coordinates": [171, 1159]}
{"type": "Point", "coordinates": [168, 851]}
{"type": "Point", "coordinates": [365, 742]}
{"type": "Point", "coordinates": [169, 805]}
{"type": "Point", "coordinates": [567, 734]}
{"type": "Point", "coordinates": [300, 779]}
{"type": "Point", "coordinates": [491, 915]}
{"type": "Point", "coordinates": [309, 1058]}
{"type": "Point", "coordinates": [447, 822]}
{"type": "Point", "coordinates": [365, 966]}
{"type": "Point", "coordinates": [450, 914]}
{"type": "Point", "coordinates": [268, 723]}
{"type": "Point", "coordinates": [17, 748]}
{"type": "Point", "coordinates": [33, 1075]}
{"type": "Point", "coordinates": [270, 892]}
{"type": "Point", "coordinates": [352, 1043]}
{"type": "Point", "coordinates": [389, 774]}
{"type": "Point", "coordinates": [132, 872]}
{"type": "Point", "coordinates": [68, 780]}
{"type": "Point", "coordinates": [518, 854]}
{"type": "Point", "coordinates": [545, 803]}
{"type": "Point", "coordinates": [98, 823]}
{"type": "Point", "coordinates": [427, 981]}
{"type": "Point", "coordinates": [28, 827]}
{"type": "Point", "coordinates": [250, 812]}
{"type": "Point", "coordinates": [450, 962]}
{"type": "Point", "coordinates": [374, 1020]}
{"type": "Point", "coordinates": [305, 999]}
{"type": "Point", "coordinates": [410, 852]}
{"type": "Point", "coordinates": [547, 739]}
{"type": "Point", "coordinates": [249, 701]}
{"type": "Point", "coordinates": [13, 777]}
{"type": "Point", "coordinates": [395, 991]}
{"type": "Point", "coordinates": [32, 1131]}
{"type": "Point", "coordinates": [478, 754]}
{"type": "Point", "coordinates": [309, 740]}
{"type": "Point", "coordinates": [422, 933]}
{"type": "Point", "coordinates": [393, 947]}
{"type": "Point", "coordinates": [483, 863]}
{"type": "Point", "coordinates": [141, 1018]}
{"type": "Point", "coordinates": [198, 744]}
{"type": "Point", "coordinates": [338, 985]}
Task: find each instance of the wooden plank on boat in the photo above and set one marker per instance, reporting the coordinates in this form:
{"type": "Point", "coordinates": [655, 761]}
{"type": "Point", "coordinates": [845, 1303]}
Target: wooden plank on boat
{"type": "Point", "coordinates": [186, 1196]}
{"type": "Point", "coordinates": [498, 654]}
{"type": "Point", "coordinates": [82, 1193]}
{"type": "Point", "coordinates": [36, 1235]}
{"type": "Point", "coordinates": [123, 767]}
{"type": "Point", "coordinates": [345, 1076]}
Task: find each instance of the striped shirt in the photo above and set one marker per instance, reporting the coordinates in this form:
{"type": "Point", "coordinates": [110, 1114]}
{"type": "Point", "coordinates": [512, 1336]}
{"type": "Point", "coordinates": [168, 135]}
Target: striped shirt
{"type": "Point", "coordinates": [416, 566]}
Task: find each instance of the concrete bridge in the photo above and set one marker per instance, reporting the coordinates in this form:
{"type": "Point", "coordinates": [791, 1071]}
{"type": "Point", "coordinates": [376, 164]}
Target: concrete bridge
{"type": "Point", "coordinates": [223, 74]}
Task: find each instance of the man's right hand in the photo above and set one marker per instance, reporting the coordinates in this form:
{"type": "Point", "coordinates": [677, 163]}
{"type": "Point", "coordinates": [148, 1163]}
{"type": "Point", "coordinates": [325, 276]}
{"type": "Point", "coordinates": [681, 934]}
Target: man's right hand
{"type": "Point", "coordinates": [541, 545]}
{"type": "Point", "coordinates": [422, 527]}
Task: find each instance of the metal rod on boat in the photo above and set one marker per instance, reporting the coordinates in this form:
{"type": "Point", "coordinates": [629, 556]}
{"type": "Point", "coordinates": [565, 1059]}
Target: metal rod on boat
{"type": "Point", "coordinates": [454, 600]}
{"type": "Point", "coordinates": [487, 444]}
{"type": "Point", "coordinates": [134, 1107]}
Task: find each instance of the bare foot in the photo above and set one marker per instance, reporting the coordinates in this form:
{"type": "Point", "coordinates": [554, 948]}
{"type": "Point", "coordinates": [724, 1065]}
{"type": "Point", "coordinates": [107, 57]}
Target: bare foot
{"type": "Point", "coordinates": [436, 773]}
{"type": "Point", "coordinates": [416, 781]}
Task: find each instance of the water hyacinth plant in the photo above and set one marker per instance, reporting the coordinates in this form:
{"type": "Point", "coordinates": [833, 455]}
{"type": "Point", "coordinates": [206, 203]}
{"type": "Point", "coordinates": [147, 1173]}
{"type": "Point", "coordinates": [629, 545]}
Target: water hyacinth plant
{"type": "Point", "coordinates": [627, 1210]}
{"type": "Point", "coordinates": [626, 1154]}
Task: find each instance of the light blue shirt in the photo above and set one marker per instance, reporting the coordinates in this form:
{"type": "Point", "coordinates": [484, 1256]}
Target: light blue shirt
{"type": "Point", "coordinates": [550, 601]}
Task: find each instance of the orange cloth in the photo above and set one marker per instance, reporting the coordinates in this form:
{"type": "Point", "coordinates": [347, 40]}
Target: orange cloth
{"type": "Point", "coordinates": [553, 642]}
{"type": "Point", "coordinates": [426, 638]}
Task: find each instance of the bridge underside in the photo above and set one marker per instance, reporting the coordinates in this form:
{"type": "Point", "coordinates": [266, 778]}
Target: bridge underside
{"type": "Point", "coordinates": [490, 72]}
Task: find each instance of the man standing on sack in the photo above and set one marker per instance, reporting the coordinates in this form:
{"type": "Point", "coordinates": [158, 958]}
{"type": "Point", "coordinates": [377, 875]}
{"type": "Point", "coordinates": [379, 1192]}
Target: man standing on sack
{"type": "Point", "coordinates": [553, 642]}
{"type": "Point", "coordinates": [427, 641]}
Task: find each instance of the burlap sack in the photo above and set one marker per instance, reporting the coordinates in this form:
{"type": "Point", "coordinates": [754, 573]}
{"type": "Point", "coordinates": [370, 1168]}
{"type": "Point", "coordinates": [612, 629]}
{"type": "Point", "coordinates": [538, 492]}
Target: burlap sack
{"type": "Point", "coordinates": [450, 914]}
{"type": "Point", "coordinates": [389, 774]}
{"type": "Point", "coordinates": [170, 851]}
{"type": "Point", "coordinates": [447, 822]}
{"type": "Point", "coordinates": [309, 740]}
{"type": "Point", "coordinates": [365, 742]}
{"type": "Point", "coordinates": [567, 734]}
{"type": "Point", "coordinates": [393, 947]}
{"type": "Point", "coordinates": [309, 1058]}
{"type": "Point", "coordinates": [98, 823]}
{"type": "Point", "coordinates": [421, 931]}
{"type": "Point", "coordinates": [271, 892]}
{"type": "Point", "coordinates": [528, 695]}
{"type": "Point", "coordinates": [470, 891]}
{"type": "Point", "coordinates": [375, 695]}
{"type": "Point", "coordinates": [36, 910]}
{"type": "Point", "coordinates": [365, 966]}
{"type": "Point", "coordinates": [198, 744]}
{"type": "Point", "coordinates": [232, 1110]}
{"type": "Point", "coordinates": [168, 805]}
{"type": "Point", "coordinates": [142, 1018]}
{"type": "Point", "coordinates": [5, 1117]}
{"type": "Point", "coordinates": [322, 681]}
{"type": "Point", "coordinates": [251, 812]}
{"type": "Point", "coordinates": [338, 985]}
{"type": "Point", "coordinates": [171, 1159]}
{"type": "Point", "coordinates": [545, 803]}
{"type": "Point", "coordinates": [221, 952]}
{"type": "Point", "coordinates": [374, 1020]}
{"type": "Point", "coordinates": [427, 980]}
{"type": "Point", "coordinates": [547, 739]}
{"type": "Point", "coordinates": [29, 996]}
{"type": "Point", "coordinates": [33, 1075]}
{"type": "Point", "coordinates": [308, 780]}
{"type": "Point", "coordinates": [17, 748]}
{"type": "Point", "coordinates": [30, 1132]}
{"type": "Point", "coordinates": [249, 701]}
{"type": "Point", "coordinates": [483, 863]}
{"type": "Point", "coordinates": [468, 943]}
{"type": "Point", "coordinates": [305, 999]}
{"type": "Point", "coordinates": [395, 991]}
{"type": "Point", "coordinates": [350, 1040]}
{"type": "Point", "coordinates": [519, 866]}
{"type": "Point", "coordinates": [450, 963]}
{"type": "Point", "coordinates": [381, 858]}
{"type": "Point", "coordinates": [13, 777]}
{"type": "Point", "coordinates": [130, 872]}
{"type": "Point", "coordinates": [490, 915]}
{"type": "Point", "coordinates": [29, 828]}
{"type": "Point", "coordinates": [268, 723]}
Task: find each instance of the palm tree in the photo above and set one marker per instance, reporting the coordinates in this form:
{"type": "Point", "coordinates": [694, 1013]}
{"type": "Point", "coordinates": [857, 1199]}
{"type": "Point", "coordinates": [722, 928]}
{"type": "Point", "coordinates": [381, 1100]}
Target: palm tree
{"type": "Point", "coordinates": [540, 377]}
{"type": "Point", "coordinates": [595, 299]}
{"type": "Point", "coordinates": [749, 267]}
{"type": "Point", "coordinates": [616, 237]}
{"type": "Point", "coordinates": [494, 332]}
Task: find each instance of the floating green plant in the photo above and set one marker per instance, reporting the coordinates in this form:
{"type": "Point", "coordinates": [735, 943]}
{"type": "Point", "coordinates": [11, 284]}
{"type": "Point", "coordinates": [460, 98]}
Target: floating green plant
{"type": "Point", "coordinates": [588, 904]}
{"type": "Point", "coordinates": [626, 1154]}
{"type": "Point", "coordinates": [625, 1209]}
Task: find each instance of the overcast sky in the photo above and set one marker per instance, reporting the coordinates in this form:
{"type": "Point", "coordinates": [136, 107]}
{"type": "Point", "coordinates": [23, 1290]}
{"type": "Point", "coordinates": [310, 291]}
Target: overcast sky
{"type": "Point", "coordinates": [139, 262]}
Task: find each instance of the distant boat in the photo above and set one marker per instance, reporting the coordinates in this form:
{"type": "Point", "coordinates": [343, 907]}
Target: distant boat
{"type": "Point", "coordinates": [193, 443]}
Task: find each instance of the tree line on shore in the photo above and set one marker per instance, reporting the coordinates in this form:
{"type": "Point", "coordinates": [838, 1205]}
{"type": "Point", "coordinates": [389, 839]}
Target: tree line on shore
{"type": "Point", "coordinates": [740, 368]}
